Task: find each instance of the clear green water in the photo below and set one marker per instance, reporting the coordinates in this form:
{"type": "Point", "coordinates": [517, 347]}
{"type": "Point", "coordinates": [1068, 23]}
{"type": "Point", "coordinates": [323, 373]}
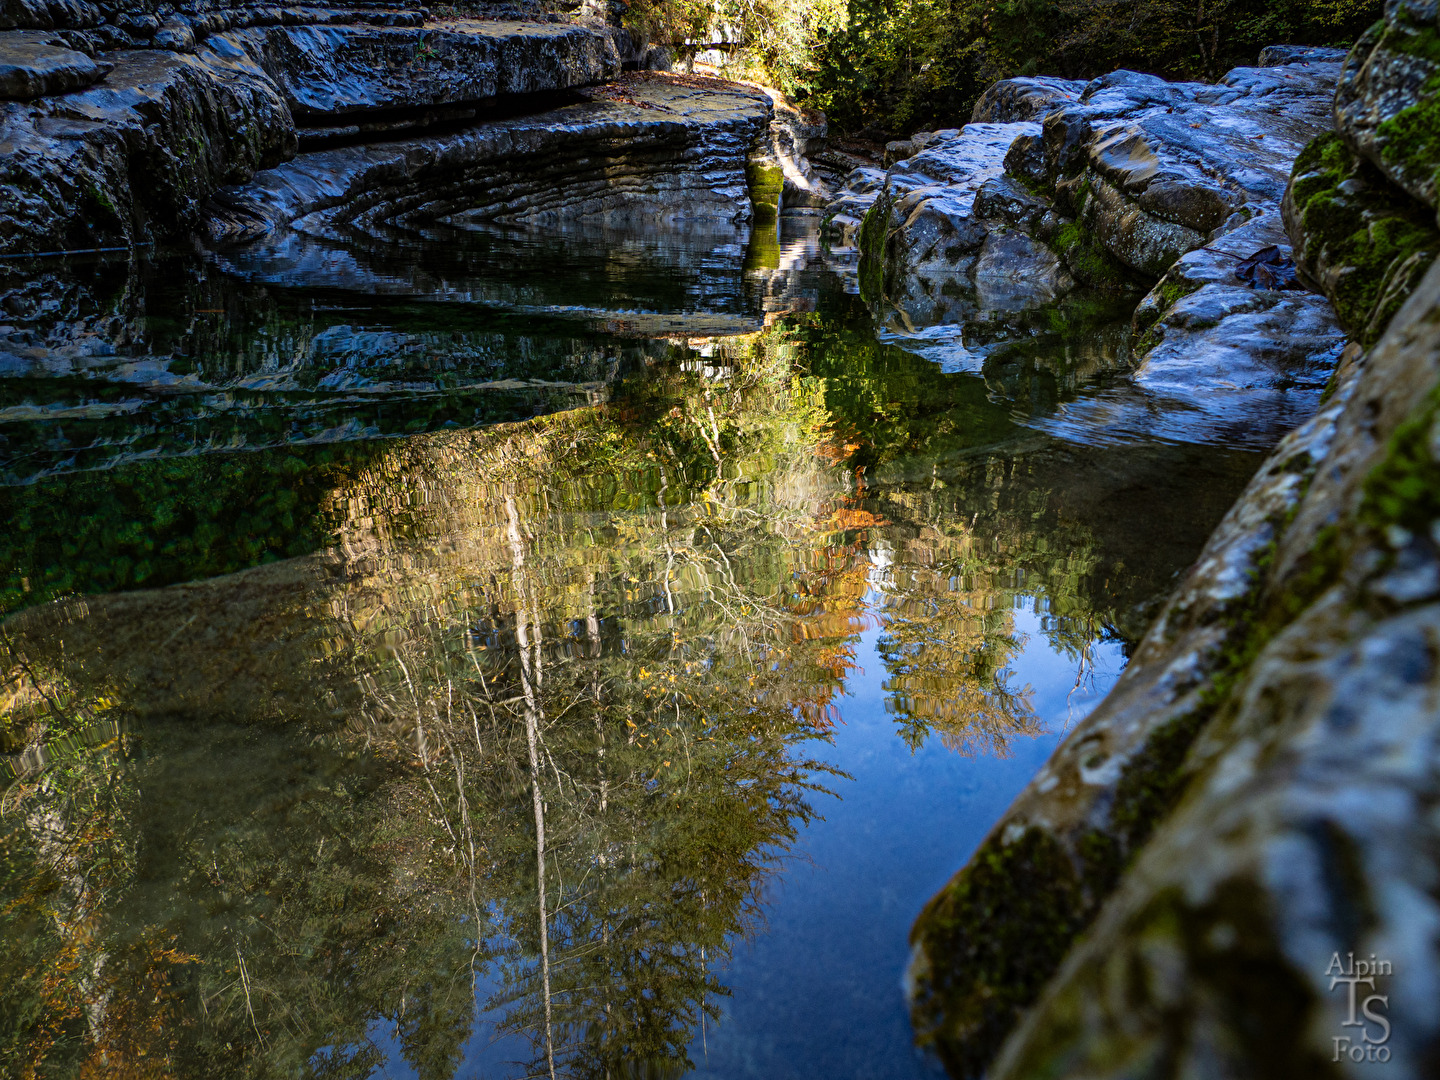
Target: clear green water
{"type": "Point", "coordinates": [336, 577]}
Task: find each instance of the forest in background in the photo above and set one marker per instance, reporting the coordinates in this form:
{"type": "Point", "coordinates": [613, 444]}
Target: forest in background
{"type": "Point", "coordinates": [879, 68]}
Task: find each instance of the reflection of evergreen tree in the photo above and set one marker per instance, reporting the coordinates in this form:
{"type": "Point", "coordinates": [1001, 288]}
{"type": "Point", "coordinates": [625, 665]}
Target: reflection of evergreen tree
{"type": "Point", "coordinates": [947, 656]}
{"type": "Point", "coordinates": [615, 629]}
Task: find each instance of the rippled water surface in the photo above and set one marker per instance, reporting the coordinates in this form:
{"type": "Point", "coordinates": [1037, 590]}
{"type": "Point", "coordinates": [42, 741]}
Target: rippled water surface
{"type": "Point", "coordinates": [472, 654]}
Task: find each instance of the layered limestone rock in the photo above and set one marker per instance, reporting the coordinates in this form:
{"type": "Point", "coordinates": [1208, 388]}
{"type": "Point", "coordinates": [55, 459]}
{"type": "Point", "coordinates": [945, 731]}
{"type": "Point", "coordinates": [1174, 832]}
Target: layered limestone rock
{"type": "Point", "coordinates": [133, 154]}
{"type": "Point", "coordinates": [135, 157]}
{"type": "Point", "coordinates": [1129, 172]}
{"type": "Point", "coordinates": [33, 65]}
{"type": "Point", "coordinates": [1360, 208]}
{"type": "Point", "coordinates": [1125, 183]}
{"type": "Point", "coordinates": [329, 75]}
{"type": "Point", "coordinates": [653, 148]}
{"type": "Point", "coordinates": [1385, 106]}
{"type": "Point", "coordinates": [949, 164]}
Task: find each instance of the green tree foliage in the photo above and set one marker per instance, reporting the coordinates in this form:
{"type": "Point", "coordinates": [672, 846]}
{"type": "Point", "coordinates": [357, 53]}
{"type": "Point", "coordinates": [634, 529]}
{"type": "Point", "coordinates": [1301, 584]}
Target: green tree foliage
{"type": "Point", "coordinates": [899, 65]}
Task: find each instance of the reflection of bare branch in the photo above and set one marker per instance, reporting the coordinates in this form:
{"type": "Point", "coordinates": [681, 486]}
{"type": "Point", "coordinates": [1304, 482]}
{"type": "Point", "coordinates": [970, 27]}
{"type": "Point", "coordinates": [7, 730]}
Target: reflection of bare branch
{"type": "Point", "coordinates": [249, 1008]}
{"type": "Point", "coordinates": [529, 683]}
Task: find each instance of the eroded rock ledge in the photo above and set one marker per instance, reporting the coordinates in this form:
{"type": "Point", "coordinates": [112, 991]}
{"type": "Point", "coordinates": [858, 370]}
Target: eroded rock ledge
{"type": "Point", "coordinates": [1256, 795]}
{"type": "Point", "coordinates": [127, 147]}
{"type": "Point", "coordinates": [653, 148]}
{"type": "Point", "coordinates": [1123, 183]}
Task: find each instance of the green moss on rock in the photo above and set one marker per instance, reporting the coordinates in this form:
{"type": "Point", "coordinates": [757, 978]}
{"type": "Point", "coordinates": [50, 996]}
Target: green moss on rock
{"type": "Point", "coordinates": [1404, 488]}
{"type": "Point", "coordinates": [1364, 241]}
{"type": "Point", "coordinates": [987, 943]}
{"type": "Point", "coordinates": [1088, 260]}
{"type": "Point", "coordinates": [1213, 967]}
{"type": "Point", "coordinates": [874, 231]}
{"type": "Point", "coordinates": [1410, 140]}
{"type": "Point", "coordinates": [1172, 288]}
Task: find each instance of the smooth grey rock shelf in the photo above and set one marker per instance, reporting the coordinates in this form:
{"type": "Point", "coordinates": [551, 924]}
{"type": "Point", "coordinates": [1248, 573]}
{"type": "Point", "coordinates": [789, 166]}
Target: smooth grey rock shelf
{"type": "Point", "coordinates": [657, 148]}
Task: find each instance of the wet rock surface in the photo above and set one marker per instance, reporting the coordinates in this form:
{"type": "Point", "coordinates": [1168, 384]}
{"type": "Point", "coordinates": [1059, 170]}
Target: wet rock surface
{"type": "Point", "coordinates": [1124, 183]}
{"type": "Point", "coordinates": [133, 158]}
{"type": "Point", "coordinates": [1214, 359]}
{"type": "Point", "coordinates": [1384, 105]}
{"type": "Point", "coordinates": [1303, 833]}
{"type": "Point", "coordinates": [655, 148]}
{"type": "Point", "coordinates": [33, 65]}
{"type": "Point", "coordinates": [1250, 805]}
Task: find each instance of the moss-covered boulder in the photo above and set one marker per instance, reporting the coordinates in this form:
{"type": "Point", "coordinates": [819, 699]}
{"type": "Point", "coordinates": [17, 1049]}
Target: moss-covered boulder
{"type": "Point", "coordinates": [984, 946]}
{"type": "Point", "coordinates": [1303, 851]}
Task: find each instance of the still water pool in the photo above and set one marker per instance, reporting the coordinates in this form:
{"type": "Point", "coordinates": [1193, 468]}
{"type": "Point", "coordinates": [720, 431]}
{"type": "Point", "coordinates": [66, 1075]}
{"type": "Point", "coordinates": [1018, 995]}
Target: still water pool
{"type": "Point", "coordinates": [480, 654]}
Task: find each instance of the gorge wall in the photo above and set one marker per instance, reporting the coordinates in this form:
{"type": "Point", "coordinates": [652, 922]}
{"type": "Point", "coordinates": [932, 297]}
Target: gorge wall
{"type": "Point", "coordinates": [1254, 801]}
{"type": "Point", "coordinates": [119, 127]}
{"type": "Point", "coordinates": [319, 144]}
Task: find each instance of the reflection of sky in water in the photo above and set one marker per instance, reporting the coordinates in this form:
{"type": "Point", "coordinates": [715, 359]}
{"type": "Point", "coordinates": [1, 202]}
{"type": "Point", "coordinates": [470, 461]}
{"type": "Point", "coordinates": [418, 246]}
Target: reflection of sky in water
{"type": "Point", "coordinates": [818, 991]}
{"type": "Point", "coordinates": [959, 509]}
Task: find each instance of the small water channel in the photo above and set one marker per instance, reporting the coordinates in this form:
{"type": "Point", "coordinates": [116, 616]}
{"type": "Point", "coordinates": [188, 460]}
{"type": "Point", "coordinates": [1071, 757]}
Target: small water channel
{"type": "Point", "coordinates": [490, 654]}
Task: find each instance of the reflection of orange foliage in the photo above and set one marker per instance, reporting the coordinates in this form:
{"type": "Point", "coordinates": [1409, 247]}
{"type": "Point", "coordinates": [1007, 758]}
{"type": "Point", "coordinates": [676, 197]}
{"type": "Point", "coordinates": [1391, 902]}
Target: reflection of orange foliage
{"type": "Point", "coordinates": [846, 518]}
{"type": "Point", "coordinates": [836, 450]}
{"type": "Point", "coordinates": [85, 989]}
{"type": "Point", "coordinates": [56, 975]}
{"type": "Point", "coordinates": [837, 659]}
{"type": "Point", "coordinates": [143, 1013]}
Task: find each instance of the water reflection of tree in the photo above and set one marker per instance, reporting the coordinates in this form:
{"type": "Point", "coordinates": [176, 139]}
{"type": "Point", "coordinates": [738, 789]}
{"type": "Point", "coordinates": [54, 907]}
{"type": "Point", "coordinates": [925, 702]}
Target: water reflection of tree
{"type": "Point", "coordinates": [579, 663]}
{"type": "Point", "coordinates": [948, 655]}
{"type": "Point", "coordinates": [593, 696]}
